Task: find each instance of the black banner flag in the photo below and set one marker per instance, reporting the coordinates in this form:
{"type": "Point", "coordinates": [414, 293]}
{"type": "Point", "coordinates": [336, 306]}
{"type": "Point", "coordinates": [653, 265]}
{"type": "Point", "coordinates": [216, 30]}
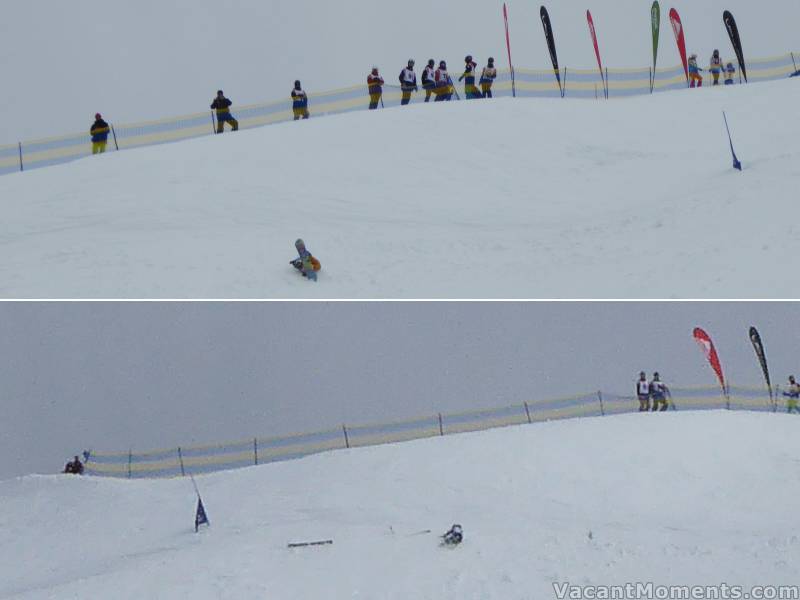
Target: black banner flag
{"type": "Point", "coordinates": [755, 338]}
{"type": "Point", "coordinates": [733, 32]}
{"type": "Point", "coordinates": [551, 44]}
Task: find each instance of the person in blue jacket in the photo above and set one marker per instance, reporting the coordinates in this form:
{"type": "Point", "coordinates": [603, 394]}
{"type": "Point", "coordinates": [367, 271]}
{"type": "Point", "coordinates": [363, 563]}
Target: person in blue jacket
{"type": "Point", "coordinates": [99, 132]}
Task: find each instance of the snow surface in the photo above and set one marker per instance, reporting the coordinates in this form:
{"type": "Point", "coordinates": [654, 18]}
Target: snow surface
{"type": "Point", "coordinates": [674, 498]}
{"type": "Point", "coordinates": [538, 198]}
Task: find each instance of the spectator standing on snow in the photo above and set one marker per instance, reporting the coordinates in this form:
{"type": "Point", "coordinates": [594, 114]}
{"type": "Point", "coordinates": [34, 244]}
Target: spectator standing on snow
{"type": "Point", "coordinates": [444, 85]}
{"type": "Point", "coordinates": [659, 392]}
{"type": "Point", "coordinates": [408, 82]}
{"type": "Point", "coordinates": [468, 76]}
{"type": "Point", "coordinates": [99, 132]}
{"type": "Point", "coordinates": [694, 72]}
{"type": "Point", "coordinates": [730, 71]}
{"type": "Point", "coordinates": [643, 392]}
{"type": "Point", "coordinates": [429, 79]}
{"type": "Point", "coordinates": [715, 66]}
{"type": "Point", "coordinates": [299, 102]}
{"type": "Point", "coordinates": [488, 76]}
{"type": "Point", "coordinates": [375, 87]}
{"type": "Point", "coordinates": [792, 394]}
{"type": "Point", "coordinates": [75, 467]}
{"type": "Point", "coordinates": [223, 108]}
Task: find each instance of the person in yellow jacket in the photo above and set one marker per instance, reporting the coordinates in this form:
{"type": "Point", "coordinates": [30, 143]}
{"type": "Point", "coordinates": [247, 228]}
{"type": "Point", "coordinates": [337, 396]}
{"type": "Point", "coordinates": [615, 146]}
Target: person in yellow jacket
{"type": "Point", "coordinates": [99, 132]}
{"type": "Point", "coordinates": [223, 107]}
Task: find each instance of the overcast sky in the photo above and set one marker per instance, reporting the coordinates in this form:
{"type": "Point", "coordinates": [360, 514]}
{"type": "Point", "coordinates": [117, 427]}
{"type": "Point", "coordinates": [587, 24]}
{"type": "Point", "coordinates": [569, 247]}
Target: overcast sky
{"type": "Point", "coordinates": [113, 376]}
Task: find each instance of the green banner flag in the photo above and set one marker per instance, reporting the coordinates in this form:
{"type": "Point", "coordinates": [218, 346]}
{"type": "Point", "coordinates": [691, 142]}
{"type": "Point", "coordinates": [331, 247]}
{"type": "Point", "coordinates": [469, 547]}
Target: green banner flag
{"type": "Point", "coordinates": [655, 18]}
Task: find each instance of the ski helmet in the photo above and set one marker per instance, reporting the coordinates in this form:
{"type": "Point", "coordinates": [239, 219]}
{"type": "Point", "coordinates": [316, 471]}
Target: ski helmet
{"type": "Point", "coordinates": [219, 92]}
{"type": "Point", "coordinates": [716, 52]}
{"type": "Point", "coordinates": [491, 60]}
{"type": "Point", "coordinates": [442, 64]}
{"type": "Point", "coordinates": [431, 62]}
{"type": "Point", "coordinates": [97, 116]}
{"type": "Point", "coordinates": [642, 375]}
{"type": "Point", "coordinates": [655, 375]}
{"type": "Point", "coordinates": [297, 83]}
{"type": "Point", "coordinates": [468, 58]}
{"type": "Point", "coordinates": [374, 69]}
{"type": "Point", "coordinates": [299, 243]}
{"type": "Point", "coordinates": [411, 62]}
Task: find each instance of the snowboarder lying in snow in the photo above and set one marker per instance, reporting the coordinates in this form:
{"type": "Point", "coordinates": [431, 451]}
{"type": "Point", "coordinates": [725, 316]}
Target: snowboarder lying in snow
{"type": "Point", "coordinates": [305, 262]}
{"type": "Point", "coordinates": [453, 537]}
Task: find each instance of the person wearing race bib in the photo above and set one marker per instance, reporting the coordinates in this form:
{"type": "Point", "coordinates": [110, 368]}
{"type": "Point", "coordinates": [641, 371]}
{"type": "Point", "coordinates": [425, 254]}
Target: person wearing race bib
{"type": "Point", "coordinates": [408, 82]}
{"type": "Point", "coordinates": [428, 79]}
{"type": "Point", "coordinates": [730, 70]}
{"type": "Point", "coordinates": [444, 87]}
{"type": "Point", "coordinates": [643, 392]}
{"type": "Point", "coordinates": [715, 66]}
{"type": "Point", "coordinates": [299, 102]}
{"type": "Point", "coordinates": [792, 395]}
{"type": "Point", "coordinates": [659, 392]}
{"type": "Point", "coordinates": [488, 76]}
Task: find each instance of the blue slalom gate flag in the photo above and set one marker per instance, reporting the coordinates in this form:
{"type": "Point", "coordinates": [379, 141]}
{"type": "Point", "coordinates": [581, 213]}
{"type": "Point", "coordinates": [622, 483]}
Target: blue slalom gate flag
{"type": "Point", "coordinates": [200, 517]}
{"type": "Point", "coordinates": [736, 164]}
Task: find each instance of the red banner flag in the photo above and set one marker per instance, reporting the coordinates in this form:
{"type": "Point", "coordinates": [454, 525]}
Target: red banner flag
{"type": "Point", "coordinates": [596, 49]}
{"type": "Point", "coordinates": [707, 346]}
{"type": "Point", "coordinates": [508, 47]}
{"type": "Point", "coordinates": [677, 27]}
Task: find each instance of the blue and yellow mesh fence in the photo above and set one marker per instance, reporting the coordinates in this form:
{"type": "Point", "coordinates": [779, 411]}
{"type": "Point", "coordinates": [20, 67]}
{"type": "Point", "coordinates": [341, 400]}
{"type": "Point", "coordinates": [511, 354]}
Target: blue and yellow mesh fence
{"type": "Point", "coordinates": [577, 83]}
{"type": "Point", "coordinates": [192, 460]}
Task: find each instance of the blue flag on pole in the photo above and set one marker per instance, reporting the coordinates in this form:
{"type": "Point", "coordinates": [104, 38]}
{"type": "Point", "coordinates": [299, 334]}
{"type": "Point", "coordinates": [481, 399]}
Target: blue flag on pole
{"type": "Point", "coordinates": [200, 516]}
{"type": "Point", "coordinates": [736, 164]}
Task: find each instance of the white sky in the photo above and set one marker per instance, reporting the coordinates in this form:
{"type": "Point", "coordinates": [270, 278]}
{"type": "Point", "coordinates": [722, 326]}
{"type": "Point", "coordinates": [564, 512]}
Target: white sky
{"type": "Point", "coordinates": [63, 61]}
{"type": "Point", "coordinates": [111, 376]}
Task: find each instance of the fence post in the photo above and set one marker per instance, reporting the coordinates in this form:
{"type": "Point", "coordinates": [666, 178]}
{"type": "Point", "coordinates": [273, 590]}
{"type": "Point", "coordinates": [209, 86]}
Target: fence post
{"type": "Point", "coordinates": [606, 83]}
{"type": "Point", "coordinates": [441, 429]}
{"type": "Point", "coordinates": [180, 458]}
{"type": "Point", "coordinates": [652, 79]}
{"type": "Point", "coordinates": [213, 123]}
{"type": "Point", "coordinates": [20, 156]}
{"type": "Point", "coordinates": [527, 412]}
{"type": "Point", "coordinates": [794, 63]}
{"type": "Point", "coordinates": [346, 439]}
{"type": "Point", "coordinates": [255, 450]}
{"type": "Point", "coordinates": [130, 460]}
{"type": "Point", "coordinates": [114, 133]}
{"type": "Point", "coordinates": [564, 91]}
{"type": "Point", "coordinates": [602, 408]}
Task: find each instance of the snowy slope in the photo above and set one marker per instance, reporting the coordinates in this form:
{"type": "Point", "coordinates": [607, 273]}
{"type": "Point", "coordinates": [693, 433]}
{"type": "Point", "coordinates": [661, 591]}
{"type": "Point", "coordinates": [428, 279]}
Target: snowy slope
{"type": "Point", "coordinates": [518, 198]}
{"type": "Point", "coordinates": [720, 506]}
{"type": "Point", "coordinates": [62, 62]}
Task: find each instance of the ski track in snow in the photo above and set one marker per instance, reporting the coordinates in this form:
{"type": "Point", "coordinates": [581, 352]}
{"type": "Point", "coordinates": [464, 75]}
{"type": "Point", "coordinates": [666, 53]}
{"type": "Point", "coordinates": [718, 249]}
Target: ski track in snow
{"type": "Point", "coordinates": [719, 506]}
{"type": "Point", "coordinates": [509, 198]}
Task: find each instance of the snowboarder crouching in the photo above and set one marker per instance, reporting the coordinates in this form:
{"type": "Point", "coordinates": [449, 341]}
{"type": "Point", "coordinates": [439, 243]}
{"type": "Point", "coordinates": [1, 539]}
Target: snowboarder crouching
{"type": "Point", "coordinates": [307, 264]}
{"type": "Point", "coordinates": [454, 536]}
{"type": "Point", "coordinates": [75, 467]}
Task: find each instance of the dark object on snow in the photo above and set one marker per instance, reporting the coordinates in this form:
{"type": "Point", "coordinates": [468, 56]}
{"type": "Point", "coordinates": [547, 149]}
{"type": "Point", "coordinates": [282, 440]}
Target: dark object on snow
{"type": "Point", "coordinates": [200, 517]}
{"type": "Point", "coordinates": [75, 467]}
{"type": "Point", "coordinates": [304, 544]}
{"type": "Point", "coordinates": [454, 536]}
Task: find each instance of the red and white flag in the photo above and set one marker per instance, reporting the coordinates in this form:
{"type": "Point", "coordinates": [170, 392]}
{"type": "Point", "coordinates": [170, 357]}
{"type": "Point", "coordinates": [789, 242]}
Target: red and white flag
{"type": "Point", "coordinates": [707, 346]}
{"type": "Point", "coordinates": [677, 27]}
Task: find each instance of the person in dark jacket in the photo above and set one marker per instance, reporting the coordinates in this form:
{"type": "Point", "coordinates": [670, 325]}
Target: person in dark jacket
{"type": "Point", "coordinates": [375, 87]}
{"type": "Point", "coordinates": [99, 132]}
{"type": "Point", "coordinates": [223, 107]}
{"type": "Point", "coordinates": [468, 76]}
{"type": "Point", "coordinates": [408, 82]}
{"type": "Point", "coordinates": [444, 85]}
{"type": "Point", "coordinates": [75, 467]}
{"type": "Point", "coordinates": [299, 102]}
{"type": "Point", "coordinates": [428, 79]}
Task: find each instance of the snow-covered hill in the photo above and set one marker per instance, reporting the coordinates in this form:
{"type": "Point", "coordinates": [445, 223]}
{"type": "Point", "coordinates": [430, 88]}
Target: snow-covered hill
{"type": "Point", "coordinates": [673, 499]}
{"type": "Point", "coordinates": [542, 198]}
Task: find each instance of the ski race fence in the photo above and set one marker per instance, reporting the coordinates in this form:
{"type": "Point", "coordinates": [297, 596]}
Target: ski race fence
{"type": "Point", "coordinates": [578, 83]}
{"type": "Point", "coordinates": [193, 460]}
